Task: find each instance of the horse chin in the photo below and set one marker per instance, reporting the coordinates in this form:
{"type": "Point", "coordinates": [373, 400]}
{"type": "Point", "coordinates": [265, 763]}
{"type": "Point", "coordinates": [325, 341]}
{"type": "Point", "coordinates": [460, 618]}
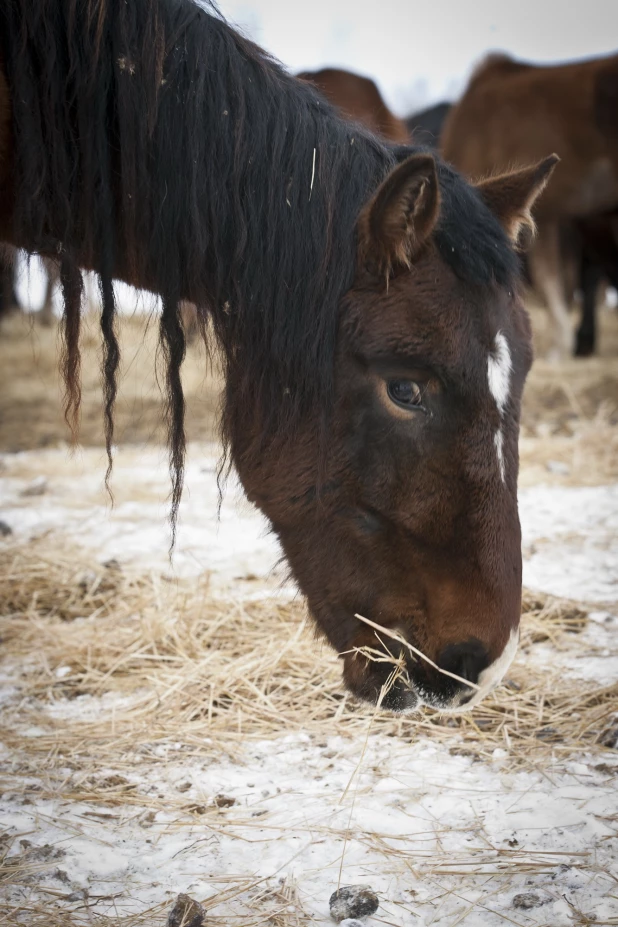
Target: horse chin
{"type": "Point", "coordinates": [462, 702]}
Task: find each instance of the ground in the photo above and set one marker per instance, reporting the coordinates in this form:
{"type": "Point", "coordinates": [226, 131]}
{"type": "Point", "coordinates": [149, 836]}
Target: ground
{"type": "Point", "coordinates": [175, 727]}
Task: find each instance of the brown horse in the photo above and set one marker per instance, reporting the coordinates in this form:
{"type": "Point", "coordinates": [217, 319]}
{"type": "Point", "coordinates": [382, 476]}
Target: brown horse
{"type": "Point", "coordinates": [364, 296]}
{"type": "Point", "coordinates": [510, 113]}
{"type": "Point", "coordinates": [359, 99]}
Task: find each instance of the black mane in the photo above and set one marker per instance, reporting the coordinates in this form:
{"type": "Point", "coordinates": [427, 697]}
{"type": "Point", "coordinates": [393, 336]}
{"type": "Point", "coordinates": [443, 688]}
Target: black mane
{"type": "Point", "coordinates": [154, 141]}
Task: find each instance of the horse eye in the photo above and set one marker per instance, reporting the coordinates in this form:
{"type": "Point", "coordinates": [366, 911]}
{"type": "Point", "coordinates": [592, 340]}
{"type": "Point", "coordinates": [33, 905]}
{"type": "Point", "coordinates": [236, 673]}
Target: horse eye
{"type": "Point", "coordinates": [405, 393]}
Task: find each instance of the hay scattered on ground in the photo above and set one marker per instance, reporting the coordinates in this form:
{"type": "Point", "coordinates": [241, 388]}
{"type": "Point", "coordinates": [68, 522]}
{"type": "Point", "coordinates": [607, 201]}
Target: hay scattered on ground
{"type": "Point", "coordinates": [181, 663]}
{"type": "Point", "coordinates": [584, 452]}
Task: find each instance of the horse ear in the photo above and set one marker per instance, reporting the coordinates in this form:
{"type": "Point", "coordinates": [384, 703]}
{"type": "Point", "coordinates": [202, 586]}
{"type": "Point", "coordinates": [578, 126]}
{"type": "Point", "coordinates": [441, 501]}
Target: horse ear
{"type": "Point", "coordinates": [511, 197]}
{"type": "Point", "coordinates": [400, 217]}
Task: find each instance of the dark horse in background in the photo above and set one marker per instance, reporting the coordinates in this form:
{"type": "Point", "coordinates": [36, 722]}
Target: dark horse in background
{"type": "Point", "coordinates": [364, 296]}
{"type": "Point", "coordinates": [511, 111]}
{"type": "Point", "coordinates": [9, 301]}
{"type": "Point", "coordinates": [425, 126]}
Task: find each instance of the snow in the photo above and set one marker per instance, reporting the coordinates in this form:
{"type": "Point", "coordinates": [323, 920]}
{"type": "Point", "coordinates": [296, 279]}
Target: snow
{"type": "Point", "coordinates": [442, 839]}
{"type": "Point", "coordinates": [410, 834]}
{"type": "Point", "coordinates": [574, 526]}
{"type": "Point", "coordinates": [135, 531]}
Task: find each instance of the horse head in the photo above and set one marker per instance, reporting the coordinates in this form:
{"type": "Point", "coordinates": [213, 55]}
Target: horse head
{"type": "Point", "coordinates": [402, 507]}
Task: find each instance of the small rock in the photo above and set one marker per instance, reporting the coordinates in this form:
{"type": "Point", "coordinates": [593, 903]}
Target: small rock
{"type": "Point", "coordinates": [80, 895]}
{"type": "Point", "coordinates": [527, 900]}
{"type": "Point", "coordinates": [224, 801]}
{"type": "Point", "coordinates": [186, 913]}
{"type": "Point", "coordinates": [5, 530]}
{"type": "Point", "coordinates": [350, 922]}
{"type": "Point", "coordinates": [37, 487]}
{"type": "Point", "coordinates": [87, 581]}
{"type": "Point", "coordinates": [352, 901]}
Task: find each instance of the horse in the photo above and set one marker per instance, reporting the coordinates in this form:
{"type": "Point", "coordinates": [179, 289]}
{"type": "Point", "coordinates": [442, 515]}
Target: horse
{"type": "Point", "coordinates": [425, 127]}
{"type": "Point", "coordinates": [364, 296]}
{"type": "Point", "coordinates": [598, 257]}
{"type": "Point", "coordinates": [358, 98]}
{"type": "Point", "coordinates": [509, 113]}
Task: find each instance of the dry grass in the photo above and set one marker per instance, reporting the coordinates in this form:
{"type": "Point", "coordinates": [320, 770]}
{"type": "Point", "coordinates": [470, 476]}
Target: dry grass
{"type": "Point", "coordinates": [583, 453]}
{"type": "Point", "coordinates": [31, 390]}
{"type": "Point", "coordinates": [187, 662]}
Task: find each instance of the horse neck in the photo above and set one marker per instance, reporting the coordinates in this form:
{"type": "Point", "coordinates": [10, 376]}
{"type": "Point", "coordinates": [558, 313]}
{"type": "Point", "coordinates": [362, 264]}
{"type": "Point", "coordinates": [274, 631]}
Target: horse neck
{"type": "Point", "coordinates": [168, 151]}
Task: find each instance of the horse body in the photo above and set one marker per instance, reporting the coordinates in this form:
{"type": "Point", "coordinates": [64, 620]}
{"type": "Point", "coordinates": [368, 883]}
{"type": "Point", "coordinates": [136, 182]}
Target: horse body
{"type": "Point", "coordinates": [358, 98]}
{"type": "Point", "coordinates": [364, 296]}
{"type": "Point", "coordinates": [509, 113]}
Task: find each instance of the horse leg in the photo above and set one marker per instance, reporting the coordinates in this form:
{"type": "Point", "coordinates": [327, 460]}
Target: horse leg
{"type": "Point", "coordinates": [591, 276]}
{"type": "Point", "coordinates": [8, 296]}
{"type": "Point", "coordinates": [46, 313]}
{"type": "Point", "coordinates": [546, 273]}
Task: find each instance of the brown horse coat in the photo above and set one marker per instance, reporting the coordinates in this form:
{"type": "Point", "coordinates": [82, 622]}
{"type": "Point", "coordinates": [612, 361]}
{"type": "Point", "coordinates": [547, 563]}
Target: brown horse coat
{"type": "Point", "coordinates": [359, 99]}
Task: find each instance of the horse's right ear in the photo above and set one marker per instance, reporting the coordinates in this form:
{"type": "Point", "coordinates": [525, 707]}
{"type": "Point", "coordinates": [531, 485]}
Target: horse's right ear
{"type": "Point", "coordinates": [511, 197]}
{"type": "Point", "coordinates": [400, 217]}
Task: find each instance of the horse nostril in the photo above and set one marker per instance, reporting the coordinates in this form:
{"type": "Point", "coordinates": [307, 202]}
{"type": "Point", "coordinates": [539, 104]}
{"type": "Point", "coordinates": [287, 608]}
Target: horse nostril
{"type": "Point", "coordinates": [467, 660]}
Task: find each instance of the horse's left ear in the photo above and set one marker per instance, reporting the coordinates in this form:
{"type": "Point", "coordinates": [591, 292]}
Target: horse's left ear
{"type": "Point", "coordinates": [511, 197]}
{"type": "Point", "coordinates": [400, 217]}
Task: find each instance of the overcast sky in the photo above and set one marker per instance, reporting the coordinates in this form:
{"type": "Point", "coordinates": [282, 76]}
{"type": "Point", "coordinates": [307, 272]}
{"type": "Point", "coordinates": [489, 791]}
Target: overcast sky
{"type": "Point", "coordinates": [421, 52]}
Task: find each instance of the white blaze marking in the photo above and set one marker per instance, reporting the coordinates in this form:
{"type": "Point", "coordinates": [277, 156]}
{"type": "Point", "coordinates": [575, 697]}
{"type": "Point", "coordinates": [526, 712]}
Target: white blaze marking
{"type": "Point", "coordinates": [499, 442]}
{"type": "Point", "coordinates": [499, 368]}
{"type": "Point", "coordinates": [499, 371]}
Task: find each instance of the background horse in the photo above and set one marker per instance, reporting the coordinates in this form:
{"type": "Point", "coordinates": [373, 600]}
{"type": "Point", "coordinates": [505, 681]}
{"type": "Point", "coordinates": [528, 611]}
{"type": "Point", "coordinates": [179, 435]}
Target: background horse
{"type": "Point", "coordinates": [512, 111]}
{"type": "Point", "coordinates": [365, 299]}
{"type": "Point", "coordinates": [358, 98]}
{"type": "Point", "coordinates": [425, 127]}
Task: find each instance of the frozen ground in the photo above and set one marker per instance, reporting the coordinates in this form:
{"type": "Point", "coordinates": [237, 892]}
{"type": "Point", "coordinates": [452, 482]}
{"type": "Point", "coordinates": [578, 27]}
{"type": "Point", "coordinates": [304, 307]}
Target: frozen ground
{"type": "Point", "coordinates": [445, 840]}
{"type": "Point", "coordinates": [441, 839]}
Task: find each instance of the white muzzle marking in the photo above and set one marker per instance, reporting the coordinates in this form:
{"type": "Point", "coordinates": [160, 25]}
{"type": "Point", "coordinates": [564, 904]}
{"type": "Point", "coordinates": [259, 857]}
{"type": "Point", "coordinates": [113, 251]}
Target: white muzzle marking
{"type": "Point", "coordinates": [490, 677]}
